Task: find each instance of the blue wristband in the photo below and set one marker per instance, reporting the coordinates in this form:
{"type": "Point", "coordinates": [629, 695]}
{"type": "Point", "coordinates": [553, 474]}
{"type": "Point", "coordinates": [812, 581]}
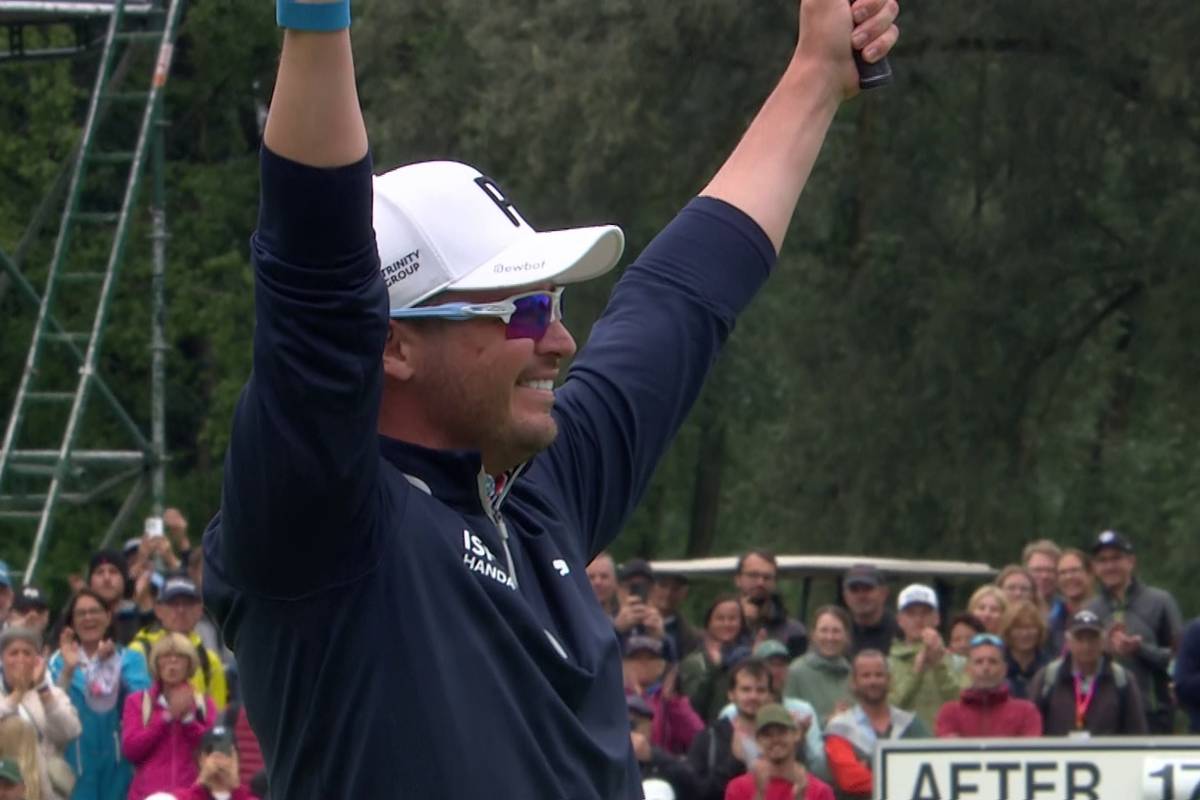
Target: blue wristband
{"type": "Point", "coordinates": [313, 16]}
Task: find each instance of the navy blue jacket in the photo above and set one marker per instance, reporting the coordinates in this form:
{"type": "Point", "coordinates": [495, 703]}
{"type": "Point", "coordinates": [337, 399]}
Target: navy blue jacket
{"type": "Point", "coordinates": [383, 648]}
{"type": "Point", "coordinates": [1187, 674]}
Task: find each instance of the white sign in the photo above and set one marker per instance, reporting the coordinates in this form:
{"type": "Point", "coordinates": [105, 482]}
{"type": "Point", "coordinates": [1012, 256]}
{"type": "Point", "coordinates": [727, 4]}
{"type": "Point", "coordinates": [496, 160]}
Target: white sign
{"type": "Point", "coordinates": [1050, 768]}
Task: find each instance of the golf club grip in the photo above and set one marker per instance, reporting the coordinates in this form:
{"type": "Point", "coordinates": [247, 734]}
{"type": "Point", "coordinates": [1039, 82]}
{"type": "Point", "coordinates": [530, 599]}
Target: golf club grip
{"type": "Point", "coordinates": [872, 76]}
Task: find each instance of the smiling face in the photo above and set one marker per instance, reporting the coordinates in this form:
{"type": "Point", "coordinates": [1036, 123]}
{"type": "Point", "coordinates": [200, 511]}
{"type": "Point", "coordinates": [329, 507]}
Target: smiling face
{"type": "Point", "coordinates": [726, 622]}
{"type": "Point", "coordinates": [778, 743]}
{"type": "Point", "coordinates": [1074, 578]}
{"type": "Point", "coordinates": [1114, 568]}
{"type": "Point", "coordinates": [830, 636]}
{"type": "Point", "coordinates": [988, 610]}
{"type": "Point", "coordinates": [89, 620]}
{"type": "Point", "coordinates": [19, 658]}
{"type": "Point", "coordinates": [465, 385]}
{"type": "Point", "coordinates": [1017, 587]}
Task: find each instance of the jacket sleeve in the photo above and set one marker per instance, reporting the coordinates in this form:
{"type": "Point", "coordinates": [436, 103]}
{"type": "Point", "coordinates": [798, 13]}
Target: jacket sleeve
{"type": "Point", "coordinates": [1187, 667]}
{"type": "Point", "coordinates": [1031, 720]}
{"type": "Point", "coordinates": [1167, 631]}
{"type": "Point", "coordinates": [218, 688]}
{"type": "Point", "coordinates": [696, 679]}
{"type": "Point", "coordinates": [645, 361]}
{"type": "Point", "coordinates": [1035, 691]}
{"type": "Point", "coordinates": [195, 728]}
{"type": "Point", "coordinates": [906, 682]}
{"type": "Point", "coordinates": [948, 683]}
{"type": "Point", "coordinates": [850, 775]}
{"type": "Point", "coordinates": [62, 721]}
{"type": "Point", "coordinates": [682, 724]}
{"type": "Point", "coordinates": [1133, 722]}
{"type": "Point", "coordinates": [299, 491]}
{"type": "Point", "coordinates": [946, 723]}
{"type": "Point", "coordinates": [814, 749]}
{"type": "Point", "coordinates": [137, 740]}
{"type": "Point", "coordinates": [133, 671]}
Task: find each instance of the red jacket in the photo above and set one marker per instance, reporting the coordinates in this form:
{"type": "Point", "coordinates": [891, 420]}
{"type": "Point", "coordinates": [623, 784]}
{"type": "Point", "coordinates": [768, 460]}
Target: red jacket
{"type": "Point", "coordinates": [742, 788]}
{"type": "Point", "coordinates": [988, 712]}
{"type": "Point", "coordinates": [250, 758]}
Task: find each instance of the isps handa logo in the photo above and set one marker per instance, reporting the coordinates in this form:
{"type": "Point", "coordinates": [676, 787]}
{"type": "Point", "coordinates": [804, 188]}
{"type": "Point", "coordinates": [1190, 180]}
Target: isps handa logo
{"type": "Point", "coordinates": [478, 557]}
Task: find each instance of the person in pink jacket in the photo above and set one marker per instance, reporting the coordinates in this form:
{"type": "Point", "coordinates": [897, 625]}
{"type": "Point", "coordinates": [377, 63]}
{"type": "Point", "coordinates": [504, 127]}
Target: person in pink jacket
{"type": "Point", "coordinates": [648, 676]}
{"type": "Point", "coordinates": [161, 727]}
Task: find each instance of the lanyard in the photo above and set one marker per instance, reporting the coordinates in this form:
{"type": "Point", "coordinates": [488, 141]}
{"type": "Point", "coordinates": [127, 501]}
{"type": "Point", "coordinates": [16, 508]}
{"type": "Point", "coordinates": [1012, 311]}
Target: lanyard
{"type": "Point", "coordinates": [1081, 702]}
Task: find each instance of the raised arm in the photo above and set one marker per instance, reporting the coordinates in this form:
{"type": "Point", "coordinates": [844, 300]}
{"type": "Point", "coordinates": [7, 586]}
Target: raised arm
{"type": "Point", "coordinates": [770, 166]}
{"type": "Point", "coordinates": [302, 464]}
{"type": "Point", "coordinates": [315, 118]}
{"type": "Point", "coordinates": [633, 384]}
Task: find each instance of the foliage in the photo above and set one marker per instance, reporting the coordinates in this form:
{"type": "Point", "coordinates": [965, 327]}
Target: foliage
{"type": "Point", "coordinates": [978, 332]}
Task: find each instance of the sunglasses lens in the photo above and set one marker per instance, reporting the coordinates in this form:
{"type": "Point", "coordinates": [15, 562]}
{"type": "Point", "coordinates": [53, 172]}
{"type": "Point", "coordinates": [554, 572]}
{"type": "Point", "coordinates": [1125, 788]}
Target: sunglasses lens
{"type": "Point", "coordinates": [531, 318]}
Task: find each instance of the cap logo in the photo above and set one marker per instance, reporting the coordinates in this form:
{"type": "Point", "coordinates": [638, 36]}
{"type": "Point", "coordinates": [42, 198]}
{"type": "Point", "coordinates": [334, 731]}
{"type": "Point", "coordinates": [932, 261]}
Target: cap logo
{"type": "Point", "coordinates": [402, 267]}
{"type": "Point", "coordinates": [524, 266]}
{"type": "Point", "coordinates": [494, 194]}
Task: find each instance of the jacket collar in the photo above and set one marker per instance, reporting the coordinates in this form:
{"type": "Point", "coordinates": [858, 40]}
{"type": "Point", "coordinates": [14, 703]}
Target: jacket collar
{"type": "Point", "coordinates": [455, 477]}
{"type": "Point", "coordinates": [985, 697]}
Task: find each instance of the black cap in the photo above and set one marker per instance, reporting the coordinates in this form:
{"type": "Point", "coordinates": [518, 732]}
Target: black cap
{"type": "Point", "coordinates": [636, 704]}
{"type": "Point", "coordinates": [216, 738]}
{"type": "Point", "coordinates": [109, 557]}
{"type": "Point", "coordinates": [1111, 539]}
{"type": "Point", "coordinates": [635, 568]}
{"type": "Point", "coordinates": [644, 644]}
{"type": "Point", "coordinates": [863, 575]}
{"type": "Point", "coordinates": [29, 598]}
{"type": "Point", "coordinates": [1085, 620]}
{"type": "Point", "coordinates": [178, 586]}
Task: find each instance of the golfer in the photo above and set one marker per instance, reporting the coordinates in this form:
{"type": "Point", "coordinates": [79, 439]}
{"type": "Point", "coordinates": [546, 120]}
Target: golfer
{"type": "Point", "coordinates": [409, 503]}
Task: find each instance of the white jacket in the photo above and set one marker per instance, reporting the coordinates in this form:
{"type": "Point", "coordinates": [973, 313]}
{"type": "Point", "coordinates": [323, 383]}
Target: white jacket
{"type": "Point", "coordinates": [56, 721]}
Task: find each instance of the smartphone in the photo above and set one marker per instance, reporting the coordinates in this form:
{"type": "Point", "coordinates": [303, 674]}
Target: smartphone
{"type": "Point", "coordinates": [640, 590]}
{"type": "Point", "coordinates": [154, 526]}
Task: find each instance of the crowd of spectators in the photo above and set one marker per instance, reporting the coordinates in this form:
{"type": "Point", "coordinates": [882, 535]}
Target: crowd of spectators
{"type": "Point", "coordinates": [128, 692]}
{"type": "Point", "coordinates": [750, 702]}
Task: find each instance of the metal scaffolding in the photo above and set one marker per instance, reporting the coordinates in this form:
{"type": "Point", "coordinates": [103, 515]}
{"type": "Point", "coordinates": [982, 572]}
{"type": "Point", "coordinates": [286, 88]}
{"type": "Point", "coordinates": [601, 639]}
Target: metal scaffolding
{"type": "Point", "coordinates": [42, 466]}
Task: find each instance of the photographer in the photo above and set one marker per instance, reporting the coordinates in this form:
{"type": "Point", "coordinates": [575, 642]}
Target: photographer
{"type": "Point", "coordinates": [636, 616]}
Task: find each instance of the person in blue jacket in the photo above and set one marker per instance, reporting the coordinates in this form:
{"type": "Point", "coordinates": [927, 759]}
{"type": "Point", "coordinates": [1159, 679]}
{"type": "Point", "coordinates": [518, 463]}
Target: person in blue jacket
{"type": "Point", "coordinates": [97, 675]}
{"type": "Point", "coordinates": [408, 503]}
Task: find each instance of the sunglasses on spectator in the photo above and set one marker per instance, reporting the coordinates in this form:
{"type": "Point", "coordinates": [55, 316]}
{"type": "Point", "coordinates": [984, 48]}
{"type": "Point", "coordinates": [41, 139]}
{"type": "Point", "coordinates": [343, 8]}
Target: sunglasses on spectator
{"type": "Point", "coordinates": [525, 316]}
{"type": "Point", "coordinates": [980, 639]}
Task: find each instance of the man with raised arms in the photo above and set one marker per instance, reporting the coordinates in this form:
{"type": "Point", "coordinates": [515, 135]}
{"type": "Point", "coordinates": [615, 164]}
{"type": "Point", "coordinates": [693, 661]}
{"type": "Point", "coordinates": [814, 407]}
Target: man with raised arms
{"type": "Point", "coordinates": [409, 505]}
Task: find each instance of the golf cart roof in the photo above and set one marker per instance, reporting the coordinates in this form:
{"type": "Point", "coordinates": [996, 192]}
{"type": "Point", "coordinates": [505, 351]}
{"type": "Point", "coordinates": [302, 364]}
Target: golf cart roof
{"type": "Point", "coordinates": [812, 566]}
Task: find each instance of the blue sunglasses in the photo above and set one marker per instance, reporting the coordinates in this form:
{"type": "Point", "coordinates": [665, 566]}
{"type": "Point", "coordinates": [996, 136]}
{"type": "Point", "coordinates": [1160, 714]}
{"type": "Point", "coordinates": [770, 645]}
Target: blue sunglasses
{"type": "Point", "coordinates": [525, 316]}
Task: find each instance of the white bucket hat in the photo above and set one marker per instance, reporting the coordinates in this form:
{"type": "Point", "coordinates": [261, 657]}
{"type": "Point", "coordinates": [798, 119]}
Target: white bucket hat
{"type": "Point", "coordinates": [444, 226]}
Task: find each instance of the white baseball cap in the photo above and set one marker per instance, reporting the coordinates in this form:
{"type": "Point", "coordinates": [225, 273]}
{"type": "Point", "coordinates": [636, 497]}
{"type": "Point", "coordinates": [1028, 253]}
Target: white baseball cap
{"type": "Point", "coordinates": [917, 593]}
{"type": "Point", "coordinates": [444, 226]}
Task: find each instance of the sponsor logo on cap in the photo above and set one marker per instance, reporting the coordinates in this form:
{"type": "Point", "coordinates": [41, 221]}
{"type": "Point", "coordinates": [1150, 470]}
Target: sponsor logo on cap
{"type": "Point", "coordinates": [402, 267]}
{"type": "Point", "coordinates": [524, 266]}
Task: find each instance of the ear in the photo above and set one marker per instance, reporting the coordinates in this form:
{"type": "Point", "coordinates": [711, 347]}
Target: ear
{"type": "Point", "coordinates": [399, 352]}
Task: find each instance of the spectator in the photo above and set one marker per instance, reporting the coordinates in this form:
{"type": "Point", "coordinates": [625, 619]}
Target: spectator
{"type": "Point", "coordinates": [218, 768]}
{"type": "Point", "coordinates": [19, 747]}
{"type": "Point", "coordinates": [725, 748]}
{"type": "Point", "coordinates": [1187, 674]}
{"type": "Point", "coordinates": [986, 708]}
{"type": "Point", "coordinates": [822, 675]}
{"type": "Point", "coordinates": [775, 656]}
{"type": "Point", "coordinates": [108, 576]}
{"type": "Point", "coordinates": [1076, 588]}
{"type": "Point", "coordinates": [765, 616]}
{"type": "Point", "coordinates": [988, 605]}
{"type": "Point", "coordinates": [654, 762]}
{"type": "Point", "coordinates": [649, 676]}
{"type": "Point", "coordinates": [703, 675]}
{"type": "Point", "coordinates": [250, 757]}
{"type": "Point", "coordinates": [1018, 584]}
{"type": "Point", "coordinates": [1086, 690]}
{"type": "Point", "coordinates": [963, 627]}
{"type": "Point", "coordinates": [30, 610]}
{"type": "Point", "coordinates": [602, 572]}
{"type": "Point", "coordinates": [27, 691]}
{"type": "Point", "coordinates": [667, 596]}
{"type": "Point", "coordinates": [776, 774]}
{"type": "Point", "coordinates": [853, 735]}
{"type": "Point", "coordinates": [178, 610]}
{"type": "Point", "coordinates": [6, 593]}
{"type": "Point", "coordinates": [161, 726]}
{"type": "Point", "coordinates": [865, 592]}
{"type": "Point", "coordinates": [1040, 559]}
{"type": "Point", "coordinates": [12, 785]}
{"type": "Point", "coordinates": [97, 675]}
{"type": "Point", "coordinates": [1024, 635]}
{"type": "Point", "coordinates": [1144, 624]}
{"type": "Point", "coordinates": [924, 674]}
{"type": "Point", "coordinates": [635, 615]}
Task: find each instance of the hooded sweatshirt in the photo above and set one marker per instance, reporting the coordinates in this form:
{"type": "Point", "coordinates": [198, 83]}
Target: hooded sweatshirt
{"type": "Point", "coordinates": [988, 713]}
{"type": "Point", "coordinates": [821, 681]}
{"type": "Point", "coordinates": [923, 692]}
